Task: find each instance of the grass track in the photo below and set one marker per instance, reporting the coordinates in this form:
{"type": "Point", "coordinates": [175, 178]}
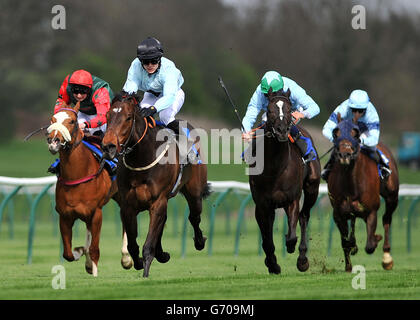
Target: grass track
{"type": "Point", "coordinates": [197, 276]}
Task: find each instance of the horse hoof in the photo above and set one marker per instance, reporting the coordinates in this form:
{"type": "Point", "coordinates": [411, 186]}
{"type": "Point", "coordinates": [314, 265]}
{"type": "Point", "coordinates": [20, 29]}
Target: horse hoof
{"type": "Point", "coordinates": [387, 261]}
{"type": "Point", "coordinates": [272, 267]}
{"type": "Point", "coordinates": [354, 250]}
{"type": "Point", "coordinates": [163, 257]}
{"type": "Point", "coordinates": [126, 261]}
{"type": "Point", "coordinates": [88, 269]}
{"type": "Point", "coordinates": [291, 245]}
{"type": "Point", "coordinates": [349, 268]}
{"type": "Point", "coordinates": [138, 264]}
{"type": "Point", "coordinates": [370, 250]}
{"type": "Point", "coordinates": [199, 244]}
{"type": "Point", "coordinates": [302, 264]}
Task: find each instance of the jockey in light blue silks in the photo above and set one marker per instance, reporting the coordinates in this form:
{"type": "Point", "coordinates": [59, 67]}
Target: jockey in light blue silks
{"type": "Point", "coordinates": [159, 79]}
{"type": "Point", "coordinates": [368, 124]}
{"type": "Point", "coordinates": [303, 106]}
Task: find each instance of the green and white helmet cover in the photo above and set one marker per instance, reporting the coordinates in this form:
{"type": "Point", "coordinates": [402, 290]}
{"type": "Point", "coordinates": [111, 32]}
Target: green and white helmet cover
{"type": "Point", "coordinates": [271, 79]}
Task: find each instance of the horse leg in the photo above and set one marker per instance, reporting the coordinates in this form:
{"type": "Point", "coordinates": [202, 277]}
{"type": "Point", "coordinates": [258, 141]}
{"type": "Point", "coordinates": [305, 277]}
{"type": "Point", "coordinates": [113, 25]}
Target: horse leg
{"type": "Point", "coordinates": [195, 204]}
{"type": "Point", "coordinates": [391, 203]}
{"type": "Point", "coordinates": [126, 260]}
{"type": "Point", "coordinates": [292, 212]}
{"type": "Point", "coordinates": [265, 219]}
{"type": "Point", "coordinates": [160, 255]}
{"type": "Point", "coordinates": [92, 241]}
{"type": "Point", "coordinates": [66, 225]}
{"type": "Point", "coordinates": [353, 244]}
{"type": "Point", "coordinates": [311, 194]}
{"type": "Point", "coordinates": [372, 238]}
{"type": "Point", "coordinates": [129, 220]}
{"type": "Point", "coordinates": [345, 239]}
{"type": "Point", "coordinates": [157, 220]}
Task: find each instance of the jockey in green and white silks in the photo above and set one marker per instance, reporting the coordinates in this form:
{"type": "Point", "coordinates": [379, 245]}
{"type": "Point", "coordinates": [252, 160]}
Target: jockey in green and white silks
{"type": "Point", "coordinates": [158, 78]}
{"type": "Point", "coordinates": [303, 106]}
{"type": "Point", "coordinates": [368, 123]}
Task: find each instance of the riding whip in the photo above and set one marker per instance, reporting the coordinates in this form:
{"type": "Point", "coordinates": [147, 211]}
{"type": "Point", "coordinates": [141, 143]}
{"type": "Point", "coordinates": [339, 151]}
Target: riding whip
{"type": "Point", "coordinates": [35, 132]}
{"type": "Point", "coordinates": [329, 150]}
{"type": "Point", "coordinates": [231, 102]}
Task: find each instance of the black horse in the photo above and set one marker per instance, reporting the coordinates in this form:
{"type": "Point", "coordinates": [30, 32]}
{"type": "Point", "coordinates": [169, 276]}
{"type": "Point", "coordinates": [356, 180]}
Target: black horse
{"type": "Point", "coordinates": [281, 183]}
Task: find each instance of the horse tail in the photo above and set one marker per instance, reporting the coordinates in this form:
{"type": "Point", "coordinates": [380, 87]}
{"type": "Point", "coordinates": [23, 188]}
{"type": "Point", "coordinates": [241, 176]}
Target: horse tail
{"type": "Point", "coordinates": [207, 191]}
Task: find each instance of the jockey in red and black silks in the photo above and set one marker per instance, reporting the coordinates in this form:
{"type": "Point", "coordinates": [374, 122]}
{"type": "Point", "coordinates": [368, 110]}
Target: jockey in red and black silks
{"type": "Point", "coordinates": [95, 96]}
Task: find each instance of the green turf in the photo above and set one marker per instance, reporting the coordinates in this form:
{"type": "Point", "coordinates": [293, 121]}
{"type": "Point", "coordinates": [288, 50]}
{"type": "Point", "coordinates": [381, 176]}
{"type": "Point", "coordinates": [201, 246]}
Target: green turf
{"type": "Point", "coordinates": [200, 276]}
{"type": "Point", "coordinates": [197, 275]}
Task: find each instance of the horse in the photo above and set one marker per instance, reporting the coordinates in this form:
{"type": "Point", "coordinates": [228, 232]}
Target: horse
{"type": "Point", "coordinates": [145, 183]}
{"type": "Point", "coordinates": [282, 181]}
{"type": "Point", "coordinates": [82, 189]}
{"type": "Point", "coordinates": [354, 189]}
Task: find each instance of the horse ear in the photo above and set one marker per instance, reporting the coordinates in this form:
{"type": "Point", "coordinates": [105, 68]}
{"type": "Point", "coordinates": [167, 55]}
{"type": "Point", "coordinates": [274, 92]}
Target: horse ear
{"type": "Point", "coordinates": [339, 117]}
{"type": "Point", "coordinates": [270, 92]}
{"type": "Point", "coordinates": [77, 107]}
{"type": "Point", "coordinates": [335, 133]}
{"type": "Point", "coordinates": [288, 93]}
{"type": "Point", "coordinates": [355, 133]}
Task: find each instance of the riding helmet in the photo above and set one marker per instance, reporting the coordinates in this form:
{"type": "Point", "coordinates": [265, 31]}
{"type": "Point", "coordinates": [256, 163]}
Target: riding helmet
{"type": "Point", "coordinates": [149, 48]}
{"type": "Point", "coordinates": [81, 78]}
{"type": "Point", "coordinates": [273, 80]}
{"type": "Point", "coordinates": [359, 99]}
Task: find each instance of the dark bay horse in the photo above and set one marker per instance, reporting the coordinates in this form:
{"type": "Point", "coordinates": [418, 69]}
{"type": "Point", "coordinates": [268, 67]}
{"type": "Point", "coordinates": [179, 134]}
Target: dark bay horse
{"type": "Point", "coordinates": [281, 183]}
{"type": "Point", "coordinates": [145, 183]}
{"type": "Point", "coordinates": [354, 189]}
{"type": "Point", "coordinates": [82, 189]}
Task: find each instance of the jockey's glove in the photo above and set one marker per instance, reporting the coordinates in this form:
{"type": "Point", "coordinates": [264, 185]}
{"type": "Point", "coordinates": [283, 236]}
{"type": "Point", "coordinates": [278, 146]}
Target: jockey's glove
{"type": "Point", "coordinates": [147, 112]}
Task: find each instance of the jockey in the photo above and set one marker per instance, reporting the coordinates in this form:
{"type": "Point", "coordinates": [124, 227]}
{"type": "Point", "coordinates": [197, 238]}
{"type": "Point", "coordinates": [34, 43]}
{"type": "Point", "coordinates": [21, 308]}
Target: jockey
{"type": "Point", "coordinates": [368, 124]}
{"type": "Point", "coordinates": [160, 80]}
{"type": "Point", "coordinates": [303, 106]}
{"type": "Point", "coordinates": [95, 97]}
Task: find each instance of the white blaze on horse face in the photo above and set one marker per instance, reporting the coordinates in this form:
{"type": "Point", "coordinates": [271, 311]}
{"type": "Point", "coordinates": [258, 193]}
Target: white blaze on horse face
{"type": "Point", "coordinates": [280, 106]}
{"type": "Point", "coordinates": [60, 117]}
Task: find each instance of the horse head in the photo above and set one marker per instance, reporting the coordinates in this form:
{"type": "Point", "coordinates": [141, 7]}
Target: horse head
{"type": "Point", "coordinates": [279, 114]}
{"type": "Point", "coordinates": [64, 129]}
{"type": "Point", "coordinates": [346, 140]}
{"type": "Point", "coordinates": [121, 123]}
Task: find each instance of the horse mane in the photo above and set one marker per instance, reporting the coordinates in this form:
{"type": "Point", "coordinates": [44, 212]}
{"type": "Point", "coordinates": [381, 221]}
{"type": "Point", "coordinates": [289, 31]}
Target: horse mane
{"type": "Point", "coordinates": [123, 96]}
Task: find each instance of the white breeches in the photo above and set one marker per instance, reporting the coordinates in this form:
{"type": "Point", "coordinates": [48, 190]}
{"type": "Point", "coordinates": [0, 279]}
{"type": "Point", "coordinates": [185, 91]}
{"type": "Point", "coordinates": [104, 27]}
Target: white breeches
{"type": "Point", "coordinates": [167, 115]}
{"type": "Point", "coordinates": [82, 117]}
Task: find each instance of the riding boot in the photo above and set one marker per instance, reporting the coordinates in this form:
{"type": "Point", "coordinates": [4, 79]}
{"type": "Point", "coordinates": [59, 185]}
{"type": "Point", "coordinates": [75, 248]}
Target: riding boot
{"type": "Point", "coordinates": [55, 167]}
{"type": "Point", "coordinates": [383, 163]}
{"type": "Point", "coordinates": [191, 154]}
{"type": "Point", "coordinates": [304, 144]}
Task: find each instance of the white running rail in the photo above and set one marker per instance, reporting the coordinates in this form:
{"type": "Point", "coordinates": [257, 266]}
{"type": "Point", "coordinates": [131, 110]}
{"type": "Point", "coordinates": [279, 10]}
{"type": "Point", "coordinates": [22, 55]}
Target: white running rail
{"type": "Point", "coordinates": [35, 185]}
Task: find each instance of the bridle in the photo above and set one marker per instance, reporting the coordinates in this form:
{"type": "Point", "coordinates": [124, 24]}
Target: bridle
{"type": "Point", "coordinates": [271, 133]}
{"type": "Point", "coordinates": [67, 146]}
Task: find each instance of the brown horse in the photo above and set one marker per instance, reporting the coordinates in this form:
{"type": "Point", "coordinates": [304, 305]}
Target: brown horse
{"type": "Point", "coordinates": [82, 188]}
{"type": "Point", "coordinates": [355, 188]}
{"type": "Point", "coordinates": [281, 183]}
{"type": "Point", "coordinates": [145, 183]}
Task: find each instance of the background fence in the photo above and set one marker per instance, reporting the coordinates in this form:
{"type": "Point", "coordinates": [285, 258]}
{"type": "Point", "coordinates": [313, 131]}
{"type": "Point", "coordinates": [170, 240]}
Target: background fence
{"type": "Point", "coordinates": [229, 209]}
